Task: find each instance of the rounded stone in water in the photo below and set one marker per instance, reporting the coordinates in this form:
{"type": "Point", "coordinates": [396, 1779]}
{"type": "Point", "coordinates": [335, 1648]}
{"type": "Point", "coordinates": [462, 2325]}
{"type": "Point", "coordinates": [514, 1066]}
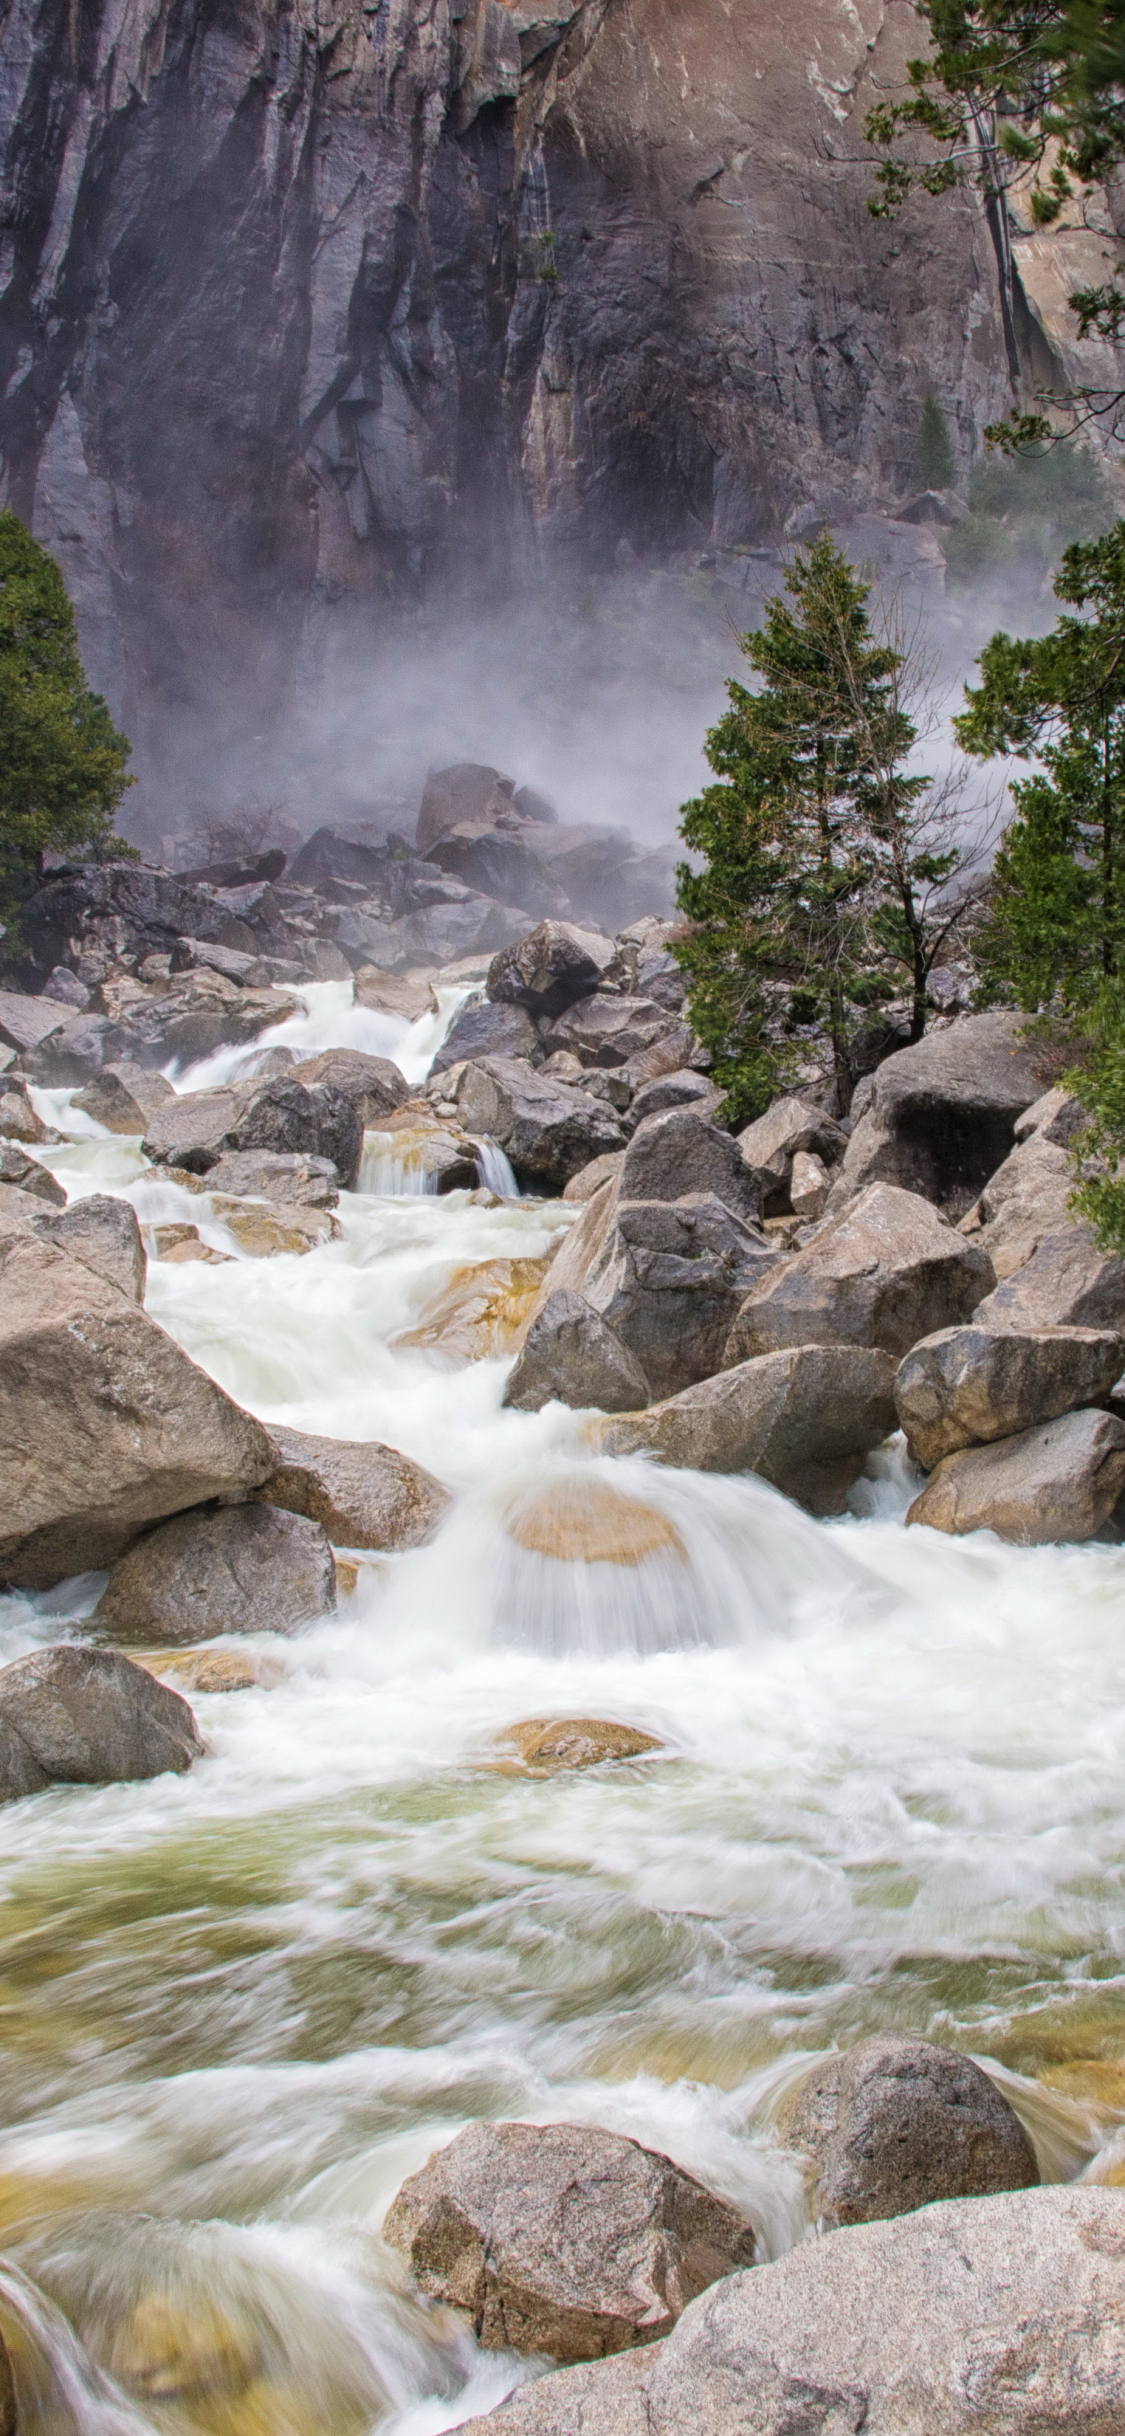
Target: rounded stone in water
{"type": "Point", "coordinates": [588, 1522]}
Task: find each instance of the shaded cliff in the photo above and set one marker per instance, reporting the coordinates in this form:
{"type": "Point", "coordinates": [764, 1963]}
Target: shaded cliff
{"type": "Point", "coordinates": [316, 308]}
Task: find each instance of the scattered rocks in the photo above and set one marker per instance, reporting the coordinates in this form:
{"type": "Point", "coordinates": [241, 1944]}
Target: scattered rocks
{"type": "Point", "coordinates": [966, 1386]}
{"type": "Point", "coordinates": [942, 1114]}
{"type": "Point", "coordinates": [770, 1145]}
{"type": "Point", "coordinates": [547, 1130]}
{"type": "Point", "coordinates": [805, 1420]}
{"type": "Point", "coordinates": [885, 1272]}
{"type": "Point", "coordinates": [102, 1233]}
{"type": "Point", "coordinates": [570, 1356]}
{"type": "Point", "coordinates": [247, 1568]}
{"type": "Point", "coordinates": [561, 2240]}
{"type": "Point", "coordinates": [72, 1716]}
{"type": "Point", "coordinates": [896, 2123]}
{"type": "Point", "coordinates": [606, 1029]}
{"type": "Point", "coordinates": [553, 1745]}
{"type": "Point", "coordinates": [1058, 1482]}
{"type": "Point", "coordinates": [105, 1425]}
{"type": "Point", "coordinates": [362, 1495]}
{"type": "Point", "coordinates": [550, 968]}
{"type": "Point", "coordinates": [998, 2315]}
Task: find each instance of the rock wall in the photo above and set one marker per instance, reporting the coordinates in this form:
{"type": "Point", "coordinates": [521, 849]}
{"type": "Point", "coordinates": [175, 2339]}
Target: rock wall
{"type": "Point", "coordinates": [315, 308]}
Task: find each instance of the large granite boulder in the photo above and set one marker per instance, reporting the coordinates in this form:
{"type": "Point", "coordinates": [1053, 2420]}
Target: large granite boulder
{"type": "Point", "coordinates": [562, 2240]}
{"type": "Point", "coordinates": [362, 1495]}
{"type": "Point", "coordinates": [678, 1152]}
{"type": "Point", "coordinates": [888, 1270]}
{"type": "Point", "coordinates": [245, 1568]}
{"type": "Point", "coordinates": [1066, 1283]}
{"type": "Point", "coordinates": [124, 1097]}
{"type": "Point", "coordinates": [467, 790]}
{"type": "Point", "coordinates": [607, 1029]}
{"type": "Point", "coordinates": [966, 1386]}
{"type": "Point", "coordinates": [500, 863]}
{"type": "Point", "coordinates": [18, 1120]}
{"type": "Point", "coordinates": [71, 1716]}
{"type": "Point", "coordinates": [105, 1425]}
{"type": "Point", "coordinates": [26, 1175]}
{"type": "Point", "coordinates": [975, 2317]}
{"type": "Point", "coordinates": [805, 1420]}
{"type": "Point", "coordinates": [550, 968]}
{"type": "Point", "coordinates": [547, 1130]}
{"type": "Point", "coordinates": [490, 1030]}
{"type": "Point", "coordinates": [942, 1114]}
{"type": "Point", "coordinates": [278, 1116]}
{"type": "Point", "coordinates": [374, 1085]}
{"type": "Point", "coordinates": [1028, 1198]}
{"type": "Point", "coordinates": [103, 1233]}
{"type": "Point", "coordinates": [1061, 1481]}
{"type": "Point", "coordinates": [275, 1175]}
{"type": "Point", "coordinates": [569, 1356]}
{"type": "Point", "coordinates": [897, 2122]}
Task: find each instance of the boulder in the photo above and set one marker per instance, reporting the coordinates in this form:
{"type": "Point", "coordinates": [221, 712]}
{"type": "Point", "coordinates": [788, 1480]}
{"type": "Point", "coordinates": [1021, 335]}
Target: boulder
{"type": "Point", "coordinates": [499, 863]}
{"type": "Point", "coordinates": [678, 1152]}
{"type": "Point", "coordinates": [809, 1186]}
{"type": "Point", "coordinates": [771, 1143]}
{"type": "Point", "coordinates": [264, 1229]}
{"type": "Point", "coordinates": [467, 790]}
{"type": "Point", "coordinates": [490, 1030]}
{"type": "Point", "coordinates": [895, 2123]}
{"type": "Point", "coordinates": [105, 1425]}
{"type": "Point", "coordinates": [669, 1054]}
{"type": "Point", "coordinates": [72, 1716]}
{"type": "Point", "coordinates": [589, 1179]}
{"type": "Point", "coordinates": [77, 1049]}
{"type": "Point", "coordinates": [553, 1746]}
{"type": "Point", "coordinates": [327, 856]}
{"type": "Point", "coordinates": [322, 1123]}
{"type": "Point", "coordinates": [366, 938]}
{"type": "Point", "coordinates": [1027, 1198]}
{"type": "Point", "coordinates": [1060, 1481]}
{"type": "Point", "coordinates": [885, 1272]}
{"type": "Point", "coordinates": [966, 1386]}
{"type": "Point", "coordinates": [65, 988]}
{"type": "Point", "coordinates": [1066, 1283]}
{"type": "Point", "coordinates": [124, 1097]}
{"type": "Point", "coordinates": [18, 1120]}
{"type": "Point", "coordinates": [606, 1029]}
{"type": "Point", "coordinates": [275, 1175]}
{"type": "Point", "coordinates": [570, 1356]}
{"type": "Point", "coordinates": [547, 1130]}
{"type": "Point", "coordinates": [562, 2240]}
{"type": "Point", "coordinates": [463, 925]}
{"type": "Point", "coordinates": [550, 968]}
{"type": "Point", "coordinates": [975, 2317]}
{"type": "Point", "coordinates": [192, 1131]}
{"type": "Point", "coordinates": [26, 1021]}
{"type": "Point", "coordinates": [29, 1176]}
{"type": "Point", "coordinates": [103, 1233]}
{"type": "Point", "coordinates": [680, 1089]}
{"type": "Point", "coordinates": [805, 1420]}
{"type": "Point", "coordinates": [374, 1085]}
{"type": "Point", "coordinates": [362, 1495]}
{"type": "Point", "coordinates": [1057, 1117]}
{"type": "Point", "coordinates": [942, 1114]}
{"type": "Point", "coordinates": [245, 1568]}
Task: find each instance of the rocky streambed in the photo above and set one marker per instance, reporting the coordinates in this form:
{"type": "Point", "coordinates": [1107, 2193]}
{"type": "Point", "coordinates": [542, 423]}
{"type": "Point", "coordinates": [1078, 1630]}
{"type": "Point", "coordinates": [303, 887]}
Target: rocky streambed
{"type": "Point", "coordinates": [502, 1758]}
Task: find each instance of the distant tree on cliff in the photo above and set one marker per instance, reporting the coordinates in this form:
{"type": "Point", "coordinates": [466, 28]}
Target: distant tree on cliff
{"type": "Point", "coordinates": [935, 465]}
{"type": "Point", "coordinates": [828, 869]}
{"type": "Point", "coordinates": [1055, 933]}
{"type": "Point", "coordinates": [62, 761]}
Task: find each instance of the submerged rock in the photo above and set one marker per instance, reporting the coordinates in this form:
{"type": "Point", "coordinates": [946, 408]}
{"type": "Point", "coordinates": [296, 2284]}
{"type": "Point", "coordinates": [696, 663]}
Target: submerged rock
{"type": "Point", "coordinates": [897, 2122]}
{"type": "Point", "coordinates": [967, 1386]}
{"type": "Point", "coordinates": [976, 2317]}
{"type": "Point", "coordinates": [72, 1716]}
{"type": "Point", "coordinates": [1061, 1481]}
{"type": "Point", "coordinates": [247, 1568]}
{"type": "Point", "coordinates": [586, 1520]}
{"type": "Point", "coordinates": [362, 1495]}
{"type": "Point", "coordinates": [552, 1745]}
{"type": "Point", "coordinates": [885, 1272]}
{"type": "Point", "coordinates": [479, 1313]}
{"type": "Point", "coordinates": [562, 2240]}
{"type": "Point", "coordinates": [805, 1420]}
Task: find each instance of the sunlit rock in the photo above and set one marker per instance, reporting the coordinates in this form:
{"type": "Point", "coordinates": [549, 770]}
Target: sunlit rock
{"type": "Point", "coordinates": [586, 1521]}
{"type": "Point", "coordinates": [476, 1316]}
{"type": "Point", "coordinates": [554, 1745]}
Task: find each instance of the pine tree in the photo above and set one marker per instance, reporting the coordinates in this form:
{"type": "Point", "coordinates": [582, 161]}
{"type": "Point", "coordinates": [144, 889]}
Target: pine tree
{"type": "Point", "coordinates": [62, 761]}
{"type": "Point", "coordinates": [935, 463]}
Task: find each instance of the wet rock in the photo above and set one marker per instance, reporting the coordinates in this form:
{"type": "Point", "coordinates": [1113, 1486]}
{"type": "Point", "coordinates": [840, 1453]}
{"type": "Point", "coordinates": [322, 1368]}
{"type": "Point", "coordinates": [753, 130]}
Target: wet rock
{"type": "Point", "coordinates": [286, 1226]}
{"type": "Point", "coordinates": [895, 2123]}
{"type": "Point", "coordinates": [246, 1568]}
{"type": "Point", "coordinates": [18, 1120]}
{"type": "Point", "coordinates": [678, 1153]}
{"type": "Point", "coordinates": [124, 1098]}
{"type": "Point", "coordinates": [589, 1179]}
{"type": "Point", "coordinates": [804, 1420]}
{"type": "Point", "coordinates": [942, 1114]}
{"type": "Point", "coordinates": [1066, 1283]}
{"type": "Point", "coordinates": [1060, 1481]}
{"type": "Point", "coordinates": [105, 1425]}
{"type": "Point", "coordinates": [29, 1176]}
{"type": "Point", "coordinates": [181, 1245]}
{"type": "Point", "coordinates": [420, 1154]}
{"type": "Point", "coordinates": [586, 1520]}
{"type": "Point", "coordinates": [680, 1089]}
{"type": "Point", "coordinates": [374, 1085]}
{"type": "Point", "coordinates": [569, 1355]}
{"type": "Point", "coordinates": [72, 1716]}
{"type": "Point", "coordinates": [561, 2240]}
{"type": "Point", "coordinates": [275, 1175]}
{"type": "Point", "coordinates": [555, 1745]}
{"type": "Point", "coordinates": [548, 1131]}
{"type": "Point", "coordinates": [967, 1386]}
{"type": "Point", "coordinates": [362, 1495]}
{"type": "Point", "coordinates": [886, 1272]}
{"type": "Point", "coordinates": [488, 1031]}
{"type": "Point", "coordinates": [770, 1145]}
{"type": "Point", "coordinates": [209, 1670]}
{"type": "Point", "coordinates": [103, 1233]}
{"type": "Point", "coordinates": [550, 968]}
{"type": "Point", "coordinates": [478, 1315]}
{"type": "Point", "coordinates": [998, 2315]}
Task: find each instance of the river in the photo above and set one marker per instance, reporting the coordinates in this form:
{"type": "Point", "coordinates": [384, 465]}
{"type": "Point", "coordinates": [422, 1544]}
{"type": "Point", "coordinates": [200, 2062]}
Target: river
{"type": "Point", "coordinates": [240, 2006]}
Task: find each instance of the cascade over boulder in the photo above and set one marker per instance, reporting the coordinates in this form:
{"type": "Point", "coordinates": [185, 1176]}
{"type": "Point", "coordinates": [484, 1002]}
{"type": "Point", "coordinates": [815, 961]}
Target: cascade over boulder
{"type": "Point", "coordinates": [562, 2240]}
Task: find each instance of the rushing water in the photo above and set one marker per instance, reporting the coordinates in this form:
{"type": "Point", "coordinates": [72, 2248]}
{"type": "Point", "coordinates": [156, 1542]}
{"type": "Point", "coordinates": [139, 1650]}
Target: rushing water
{"type": "Point", "coordinates": [240, 2006]}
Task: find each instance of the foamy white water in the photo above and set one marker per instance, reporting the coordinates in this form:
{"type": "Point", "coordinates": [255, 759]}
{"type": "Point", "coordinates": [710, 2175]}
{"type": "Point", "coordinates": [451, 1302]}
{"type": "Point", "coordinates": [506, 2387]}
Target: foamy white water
{"type": "Point", "coordinates": [248, 2002]}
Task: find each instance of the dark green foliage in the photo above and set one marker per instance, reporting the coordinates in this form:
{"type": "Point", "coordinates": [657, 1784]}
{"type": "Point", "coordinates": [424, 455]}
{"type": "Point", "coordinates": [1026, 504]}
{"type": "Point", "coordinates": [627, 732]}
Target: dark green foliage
{"type": "Point", "coordinates": [815, 875]}
{"type": "Point", "coordinates": [1024, 510]}
{"type": "Point", "coordinates": [1055, 933]}
{"type": "Point", "coordinates": [1100, 1151]}
{"type": "Point", "coordinates": [935, 465]}
{"type": "Point", "coordinates": [62, 761]}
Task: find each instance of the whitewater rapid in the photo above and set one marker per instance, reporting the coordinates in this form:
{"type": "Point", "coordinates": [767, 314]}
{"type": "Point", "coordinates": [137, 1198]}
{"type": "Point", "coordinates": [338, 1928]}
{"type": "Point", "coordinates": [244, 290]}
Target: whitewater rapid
{"type": "Point", "coordinates": [240, 2006]}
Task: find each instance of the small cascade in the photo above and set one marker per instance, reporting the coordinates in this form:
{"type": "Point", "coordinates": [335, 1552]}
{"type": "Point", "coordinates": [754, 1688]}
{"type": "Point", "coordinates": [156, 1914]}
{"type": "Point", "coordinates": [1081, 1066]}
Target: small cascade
{"type": "Point", "coordinates": [495, 1168]}
{"type": "Point", "coordinates": [329, 1018]}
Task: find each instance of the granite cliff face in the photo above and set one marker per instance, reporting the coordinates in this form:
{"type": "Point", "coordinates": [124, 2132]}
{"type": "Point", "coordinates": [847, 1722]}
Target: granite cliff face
{"type": "Point", "coordinates": [323, 306]}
